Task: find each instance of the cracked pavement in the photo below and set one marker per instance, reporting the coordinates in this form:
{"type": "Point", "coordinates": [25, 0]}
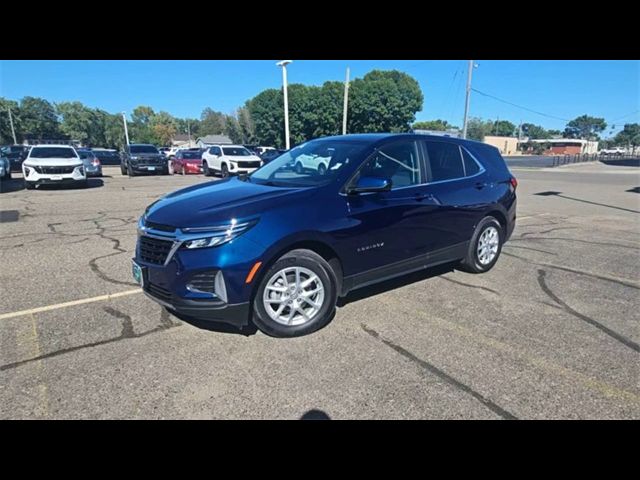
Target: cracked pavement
{"type": "Point", "coordinates": [553, 331]}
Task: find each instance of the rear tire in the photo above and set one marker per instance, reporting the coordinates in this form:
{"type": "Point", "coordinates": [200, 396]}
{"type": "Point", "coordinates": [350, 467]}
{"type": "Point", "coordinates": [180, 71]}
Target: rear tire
{"type": "Point", "coordinates": [485, 247]}
{"type": "Point", "coordinates": [320, 294]}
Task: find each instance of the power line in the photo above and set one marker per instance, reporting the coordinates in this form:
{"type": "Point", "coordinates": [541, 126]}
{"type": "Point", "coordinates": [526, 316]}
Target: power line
{"type": "Point", "coordinates": [520, 106]}
{"type": "Point", "coordinates": [625, 116]}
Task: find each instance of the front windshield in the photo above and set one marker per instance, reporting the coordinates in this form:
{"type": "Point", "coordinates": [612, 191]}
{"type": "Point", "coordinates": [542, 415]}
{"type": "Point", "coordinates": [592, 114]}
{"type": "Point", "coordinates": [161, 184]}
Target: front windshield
{"type": "Point", "coordinates": [53, 152]}
{"type": "Point", "coordinates": [235, 151]}
{"type": "Point", "coordinates": [310, 164]}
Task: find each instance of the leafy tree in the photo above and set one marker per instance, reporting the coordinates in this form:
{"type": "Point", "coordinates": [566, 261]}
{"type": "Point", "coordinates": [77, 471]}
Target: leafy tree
{"type": "Point", "coordinates": [628, 136]}
{"type": "Point", "coordinates": [534, 131]}
{"type": "Point", "coordinates": [141, 130]}
{"type": "Point", "coordinates": [80, 123]}
{"type": "Point", "coordinates": [477, 128]}
{"type": "Point", "coordinates": [267, 112]}
{"type": "Point", "coordinates": [247, 128]}
{"type": "Point", "coordinates": [38, 118]}
{"type": "Point", "coordinates": [554, 133]}
{"type": "Point", "coordinates": [211, 123]}
{"type": "Point", "coordinates": [503, 128]}
{"type": "Point", "coordinates": [164, 128]}
{"type": "Point", "coordinates": [232, 129]}
{"type": "Point", "coordinates": [383, 101]}
{"type": "Point", "coordinates": [585, 127]}
{"type": "Point", "coordinates": [5, 125]}
{"type": "Point", "coordinates": [438, 125]}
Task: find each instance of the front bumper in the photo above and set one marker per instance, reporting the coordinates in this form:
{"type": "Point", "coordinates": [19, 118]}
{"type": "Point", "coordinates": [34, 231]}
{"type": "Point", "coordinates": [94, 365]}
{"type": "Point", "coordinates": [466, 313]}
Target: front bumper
{"type": "Point", "coordinates": [31, 175]}
{"type": "Point", "coordinates": [141, 168]}
{"type": "Point", "coordinates": [235, 169]}
{"type": "Point", "coordinates": [209, 311]}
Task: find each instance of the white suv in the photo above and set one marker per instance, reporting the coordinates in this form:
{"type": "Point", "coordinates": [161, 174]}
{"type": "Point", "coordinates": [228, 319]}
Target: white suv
{"type": "Point", "coordinates": [229, 160]}
{"type": "Point", "coordinates": [53, 164]}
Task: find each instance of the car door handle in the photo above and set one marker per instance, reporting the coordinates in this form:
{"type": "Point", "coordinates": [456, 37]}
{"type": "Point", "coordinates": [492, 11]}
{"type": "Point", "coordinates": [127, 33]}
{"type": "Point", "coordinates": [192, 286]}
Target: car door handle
{"type": "Point", "coordinates": [481, 185]}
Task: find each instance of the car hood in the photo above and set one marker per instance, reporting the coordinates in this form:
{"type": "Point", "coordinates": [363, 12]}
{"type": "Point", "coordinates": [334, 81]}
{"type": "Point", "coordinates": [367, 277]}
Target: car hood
{"type": "Point", "coordinates": [220, 201]}
{"type": "Point", "coordinates": [53, 162]}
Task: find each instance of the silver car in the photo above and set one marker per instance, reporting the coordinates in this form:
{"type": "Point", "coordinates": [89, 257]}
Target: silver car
{"type": "Point", "coordinates": [92, 164]}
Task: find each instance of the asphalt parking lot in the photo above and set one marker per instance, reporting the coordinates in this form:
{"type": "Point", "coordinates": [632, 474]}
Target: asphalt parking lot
{"type": "Point", "coordinates": [551, 332]}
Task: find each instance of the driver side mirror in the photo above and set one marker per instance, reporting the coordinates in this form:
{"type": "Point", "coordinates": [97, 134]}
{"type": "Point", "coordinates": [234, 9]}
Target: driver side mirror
{"type": "Point", "coordinates": [370, 184]}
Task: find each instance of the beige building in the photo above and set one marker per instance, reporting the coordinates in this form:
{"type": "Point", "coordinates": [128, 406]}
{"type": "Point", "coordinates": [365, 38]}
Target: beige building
{"type": "Point", "coordinates": [506, 145]}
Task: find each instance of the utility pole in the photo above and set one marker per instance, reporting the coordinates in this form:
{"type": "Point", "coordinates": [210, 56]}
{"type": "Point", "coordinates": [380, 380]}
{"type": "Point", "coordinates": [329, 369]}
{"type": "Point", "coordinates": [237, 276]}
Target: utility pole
{"type": "Point", "coordinates": [346, 101]}
{"type": "Point", "coordinates": [126, 132]}
{"type": "Point", "coordinates": [520, 131]}
{"type": "Point", "coordinates": [466, 102]}
{"type": "Point", "coordinates": [189, 132]}
{"type": "Point", "coordinates": [13, 132]}
{"type": "Point", "coordinates": [284, 64]}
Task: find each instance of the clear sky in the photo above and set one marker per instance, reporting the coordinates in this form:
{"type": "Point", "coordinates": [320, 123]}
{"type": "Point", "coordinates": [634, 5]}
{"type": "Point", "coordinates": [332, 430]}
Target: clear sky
{"type": "Point", "coordinates": [564, 89]}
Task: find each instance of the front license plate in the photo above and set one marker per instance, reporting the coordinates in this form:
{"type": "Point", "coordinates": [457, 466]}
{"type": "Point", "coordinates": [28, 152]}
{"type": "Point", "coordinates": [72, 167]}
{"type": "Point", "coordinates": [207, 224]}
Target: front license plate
{"type": "Point", "coordinates": [151, 169]}
{"type": "Point", "coordinates": [137, 273]}
{"type": "Point", "coordinates": [56, 177]}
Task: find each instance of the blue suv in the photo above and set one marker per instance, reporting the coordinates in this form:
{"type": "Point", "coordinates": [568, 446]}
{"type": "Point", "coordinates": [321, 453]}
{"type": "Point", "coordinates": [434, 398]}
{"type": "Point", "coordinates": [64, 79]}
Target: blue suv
{"type": "Point", "coordinates": [278, 247]}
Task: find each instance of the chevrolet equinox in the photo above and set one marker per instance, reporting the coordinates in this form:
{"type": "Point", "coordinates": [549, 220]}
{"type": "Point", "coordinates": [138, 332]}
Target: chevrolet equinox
{"type": "Point", "coordinates": [279, 246]}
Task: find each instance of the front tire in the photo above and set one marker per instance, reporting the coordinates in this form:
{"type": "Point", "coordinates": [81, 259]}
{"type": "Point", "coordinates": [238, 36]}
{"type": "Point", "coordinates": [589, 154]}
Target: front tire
{"type": "Point", "coordinates": [322, 169]}
{"type": "Point", "coordinates": [29, 185]}
{"type": "Point", "coordinates": [299, 169]}
{"type": "Point", "coordinates": [123, 170]}
{"type": "Point", "coordinates": [205, 169]}
{"type": "Point", "coordinates": [485, 247]}
{"type": "Point", "coordinates": [296, 296]}
{"type": "Point", "coordinates": [130, 171]}
{"type": "Point", "coordinates": [224, 172]}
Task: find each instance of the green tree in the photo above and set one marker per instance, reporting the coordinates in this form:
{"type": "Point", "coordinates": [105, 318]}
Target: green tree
{"type": "Point", "coordinates": [266, 110]}
{"type": "Point", "coordinates": [211, 122]}
{"type": "Point", "coordinates": [383, 101]}
{"type": "Point", "coordinates": [164, 128]}
{"type": "Point", "coordinates": [81, 123]}
{"type": "Point", "coordinates": [38, 118]}
{"type": "Point", "coordinates": [5, 125]}
{"type": "Point", "coordinates": [503, 128]}
{"type": "Point", "coordinates": [477, 128]}
{"type": "Point", "coordinates": [141, 130]}
{"type": "Point", "coordinates": [247, 128]}
{"type": "Point", "coordinates": [585, 127]}
{"type": "Point", "coordinates": [438, 125]}
{"type": "Point", "coordinates": [554, 133]}
{"type": "Point", "coordinates": [534, 131]}
{"type": "Point", "coordinates": [629, 136]}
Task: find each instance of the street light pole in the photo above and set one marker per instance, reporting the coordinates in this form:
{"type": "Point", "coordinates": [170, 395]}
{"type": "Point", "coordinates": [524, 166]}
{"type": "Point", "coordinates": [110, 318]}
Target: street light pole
{"type": "Point", "coordinates": [284, 64]}
{"type": "Point", "coordinates": [466, 102]}
{"type": "Point", "coordinates": [346, 101]}
{"type": "Point", "coordinates": [189, 132]}
{"type": "Point", "coordinates": [126, 132]}
{"type": "Point", "coordinates": [13, 132]}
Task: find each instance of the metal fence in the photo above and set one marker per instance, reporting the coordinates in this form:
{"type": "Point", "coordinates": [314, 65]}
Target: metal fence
{"type": "Point", "coordinates": [593, 157]}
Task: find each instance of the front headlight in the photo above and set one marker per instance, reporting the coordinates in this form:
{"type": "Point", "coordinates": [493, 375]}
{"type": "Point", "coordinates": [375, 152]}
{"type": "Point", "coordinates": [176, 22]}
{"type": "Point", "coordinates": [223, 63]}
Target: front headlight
{"type": "Point", "coordinates": [217, 235]}
{"type": "Point", "coordinates": [134, 158]}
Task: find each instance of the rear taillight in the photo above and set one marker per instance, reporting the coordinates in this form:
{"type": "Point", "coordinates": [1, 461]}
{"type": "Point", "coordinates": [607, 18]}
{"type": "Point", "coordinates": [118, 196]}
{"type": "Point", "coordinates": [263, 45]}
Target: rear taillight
{"type": "Point", "coordinates": [96, 163]}
{"type": "Point", "coordinates": [514, 182]}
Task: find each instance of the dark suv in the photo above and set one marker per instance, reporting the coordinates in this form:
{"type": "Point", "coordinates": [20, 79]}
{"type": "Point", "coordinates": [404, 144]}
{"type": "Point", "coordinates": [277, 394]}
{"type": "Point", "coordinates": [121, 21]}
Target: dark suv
{"type": "Point", "coordinates": [143, 158]}
{"type": "Point", "coordinates": [16, 155]}
{"type": "Point", "coordinates": [279, 246]}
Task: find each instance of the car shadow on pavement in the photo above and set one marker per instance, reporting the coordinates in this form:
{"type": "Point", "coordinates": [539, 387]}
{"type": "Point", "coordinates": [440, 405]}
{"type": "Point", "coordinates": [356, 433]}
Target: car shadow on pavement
{"type": "Point", "coordinates": [12, 185]}
{"type": "Point", "coordinates": [398, 282]}
{"type": "Point", "coordinates": [91, 183]}
{"type": "Point", "coordinates": [213, 326]}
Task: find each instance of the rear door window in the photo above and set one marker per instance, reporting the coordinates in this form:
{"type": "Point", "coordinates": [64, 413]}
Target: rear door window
{"type": "Point", "coordinates": [444, 161]}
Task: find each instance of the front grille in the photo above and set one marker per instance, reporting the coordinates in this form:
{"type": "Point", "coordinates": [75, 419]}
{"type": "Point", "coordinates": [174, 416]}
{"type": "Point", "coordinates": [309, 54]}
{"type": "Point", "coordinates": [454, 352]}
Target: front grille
{"type": "Point", "coordinates": [255, 164]}
{"type": "Point", "coordinates": [159, 292]}
{"type": "Point", "coordinates": [158, 226]}
{"type": "Point", "coordinates": [54, 170]}
{"type": "Point", "coordinates": [203, 282]}
{"type": "Point", "coordinates": [154, 250]}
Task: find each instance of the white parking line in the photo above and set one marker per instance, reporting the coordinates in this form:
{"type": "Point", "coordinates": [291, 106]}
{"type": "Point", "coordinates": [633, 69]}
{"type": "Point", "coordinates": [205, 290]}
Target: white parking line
{"type": "Point", "coordinates": [56, 306]}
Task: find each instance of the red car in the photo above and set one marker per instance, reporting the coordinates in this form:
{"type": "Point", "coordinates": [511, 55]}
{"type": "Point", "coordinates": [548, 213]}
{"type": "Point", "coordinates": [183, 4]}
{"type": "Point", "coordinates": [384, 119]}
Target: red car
{"type": "Point", "coordinates": [188, 161]}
